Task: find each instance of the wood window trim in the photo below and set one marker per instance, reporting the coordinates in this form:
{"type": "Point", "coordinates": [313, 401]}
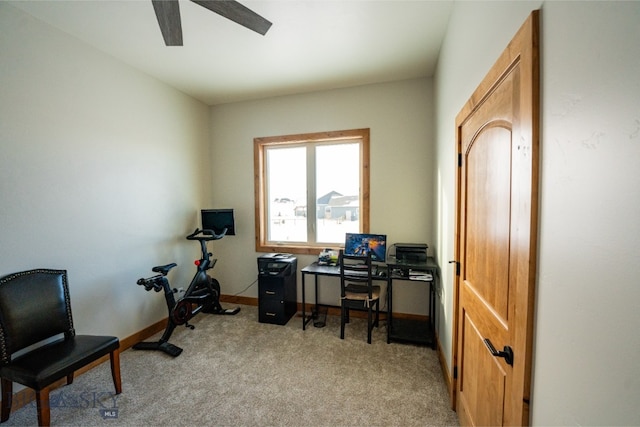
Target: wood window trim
{"type": "Point", "coordinates": [259, 144]}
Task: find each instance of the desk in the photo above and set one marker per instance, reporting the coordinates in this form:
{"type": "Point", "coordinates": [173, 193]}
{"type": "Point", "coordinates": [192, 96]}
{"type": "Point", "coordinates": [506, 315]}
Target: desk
{"type": "Point", "coordinates": [407, 330]}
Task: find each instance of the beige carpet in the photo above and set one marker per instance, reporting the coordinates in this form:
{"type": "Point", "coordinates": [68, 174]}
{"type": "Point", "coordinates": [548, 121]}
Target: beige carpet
{"type": "Point", "coordinates": [237, 371]}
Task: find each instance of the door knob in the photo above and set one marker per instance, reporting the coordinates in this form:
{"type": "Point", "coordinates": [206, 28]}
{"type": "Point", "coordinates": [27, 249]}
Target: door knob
{"type": "Point", "coordinates": [507, 352]}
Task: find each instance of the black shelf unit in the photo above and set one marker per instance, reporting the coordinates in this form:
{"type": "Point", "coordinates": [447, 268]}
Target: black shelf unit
{"type": "Point", "coordinates": [412, 330]}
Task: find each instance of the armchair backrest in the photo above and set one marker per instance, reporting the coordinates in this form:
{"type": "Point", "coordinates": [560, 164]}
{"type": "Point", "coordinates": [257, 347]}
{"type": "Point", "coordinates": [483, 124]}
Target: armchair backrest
{"type": "Point", "coordinates": [34, 306]}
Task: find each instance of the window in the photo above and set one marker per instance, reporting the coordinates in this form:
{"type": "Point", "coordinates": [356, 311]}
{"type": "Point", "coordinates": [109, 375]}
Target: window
{"type": "Point", "coordinates": [310, 190]}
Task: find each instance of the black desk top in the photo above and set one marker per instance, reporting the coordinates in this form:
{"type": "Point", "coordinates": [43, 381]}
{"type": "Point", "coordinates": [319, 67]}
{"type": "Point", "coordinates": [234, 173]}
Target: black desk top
{"type": "Point", "coordinates": [334, 270]}
{"type": "Point", "coordinates": [327, 270]}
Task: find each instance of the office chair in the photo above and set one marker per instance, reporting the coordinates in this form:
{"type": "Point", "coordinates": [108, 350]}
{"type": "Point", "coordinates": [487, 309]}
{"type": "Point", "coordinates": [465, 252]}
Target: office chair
{"type": "Point", "coordinates": [357, 290]}
{"type": "Point", "coordinates": [35, 308]}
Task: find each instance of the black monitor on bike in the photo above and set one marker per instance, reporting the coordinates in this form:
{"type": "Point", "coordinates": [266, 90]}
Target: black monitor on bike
{"type": "Point", "coordinates": [217, 220]}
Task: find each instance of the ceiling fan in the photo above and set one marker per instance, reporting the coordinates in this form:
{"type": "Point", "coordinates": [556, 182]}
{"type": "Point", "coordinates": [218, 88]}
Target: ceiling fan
{"type": "Point", "coordinates": [168, 14]}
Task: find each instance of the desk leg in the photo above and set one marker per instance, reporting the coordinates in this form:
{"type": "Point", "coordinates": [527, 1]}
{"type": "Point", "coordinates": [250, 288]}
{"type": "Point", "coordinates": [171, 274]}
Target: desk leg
{"type": "Point", "coordinates": [316, 311]}
{"type": "Point", "coordinates": [304, 317]}
{"type": "Point", "coordinates": [389, 307]}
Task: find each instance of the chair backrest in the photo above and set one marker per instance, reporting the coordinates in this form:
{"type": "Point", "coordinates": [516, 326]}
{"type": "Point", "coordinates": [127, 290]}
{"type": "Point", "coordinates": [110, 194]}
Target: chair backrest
{"type": "Point", "coordinates": [34, 306]}
{"type": "Point", "coordinates": [355, 273]}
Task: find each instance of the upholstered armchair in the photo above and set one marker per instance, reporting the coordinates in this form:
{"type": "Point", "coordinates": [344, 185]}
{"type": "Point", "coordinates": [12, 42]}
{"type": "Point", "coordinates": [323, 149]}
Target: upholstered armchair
{"type": "Point", "coordinates": [35, 309]}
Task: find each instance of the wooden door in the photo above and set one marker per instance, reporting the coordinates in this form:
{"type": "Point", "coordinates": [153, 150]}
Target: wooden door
{"type": "Point", "coordinates": [496, 234]}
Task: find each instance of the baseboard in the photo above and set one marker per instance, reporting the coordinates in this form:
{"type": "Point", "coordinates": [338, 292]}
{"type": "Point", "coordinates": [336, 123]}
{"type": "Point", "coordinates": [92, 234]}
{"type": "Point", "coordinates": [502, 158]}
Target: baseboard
{"type": "Point", "coordinates": [237, 299]}
{"type": "Point", "coordinates": [331, 310]}
{"type": "Point", "coordinates": [448, 380]}
{"type": "Point", "coordinates": [335, 311]}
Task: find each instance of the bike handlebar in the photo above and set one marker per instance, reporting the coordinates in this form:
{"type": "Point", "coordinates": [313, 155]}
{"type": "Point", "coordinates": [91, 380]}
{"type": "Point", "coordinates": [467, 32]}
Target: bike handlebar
{"type": "Point", "coordinates": [151, 283]}
{"type": "Point", "coordinates": [206, 235]}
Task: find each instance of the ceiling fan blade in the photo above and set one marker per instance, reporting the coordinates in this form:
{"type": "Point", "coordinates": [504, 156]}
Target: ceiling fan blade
{"type": "Point", "coordinates": [168, 14]}
{"type": "Point", "coordinates": [238, 13]}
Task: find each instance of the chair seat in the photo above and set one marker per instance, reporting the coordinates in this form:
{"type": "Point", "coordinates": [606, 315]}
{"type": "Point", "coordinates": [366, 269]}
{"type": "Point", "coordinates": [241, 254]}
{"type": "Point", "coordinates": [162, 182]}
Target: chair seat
{"type": "Point", "coordinates": [362, 296]}
{"type": "Point", "coordinates": [43, 366]}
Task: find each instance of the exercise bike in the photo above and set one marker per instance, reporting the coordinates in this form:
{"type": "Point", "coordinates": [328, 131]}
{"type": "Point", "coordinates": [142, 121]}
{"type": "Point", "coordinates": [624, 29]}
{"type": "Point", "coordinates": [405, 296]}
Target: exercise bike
{"type": "Point", "coordinates": [202, 295]}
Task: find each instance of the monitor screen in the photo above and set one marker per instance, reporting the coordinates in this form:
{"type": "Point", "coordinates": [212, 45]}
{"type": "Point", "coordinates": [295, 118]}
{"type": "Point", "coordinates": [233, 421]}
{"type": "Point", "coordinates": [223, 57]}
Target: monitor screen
{"type": "Point", "coordinates": [217, 220]}
{"type": "Point", "coordinates": [360, 244]}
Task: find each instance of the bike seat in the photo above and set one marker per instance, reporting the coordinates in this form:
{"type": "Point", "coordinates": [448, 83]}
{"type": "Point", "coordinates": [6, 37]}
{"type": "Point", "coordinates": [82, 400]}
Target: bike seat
{"type": "Point", "coordinates": [163, 269]}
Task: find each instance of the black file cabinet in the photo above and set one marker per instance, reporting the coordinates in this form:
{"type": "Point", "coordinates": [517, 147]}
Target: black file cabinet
{"type": "Point", "coordinates": [277, 288]}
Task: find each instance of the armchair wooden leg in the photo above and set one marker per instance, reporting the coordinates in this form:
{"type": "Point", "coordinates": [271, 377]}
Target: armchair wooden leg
{"type": "Point", "coordinates": [70, 378]}
{"type": "Point", "coordinates": [115, 370]}
{"type": "Point", "coordinates": [7, 398]}
{"type": "Point", "coordinates": [42, 403]}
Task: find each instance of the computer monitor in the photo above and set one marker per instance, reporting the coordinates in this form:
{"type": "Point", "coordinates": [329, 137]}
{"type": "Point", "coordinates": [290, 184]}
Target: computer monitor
{"type": "Point", "coordinates": [360, 244]}
{"type": "Point", "coordinates": [217, 220]}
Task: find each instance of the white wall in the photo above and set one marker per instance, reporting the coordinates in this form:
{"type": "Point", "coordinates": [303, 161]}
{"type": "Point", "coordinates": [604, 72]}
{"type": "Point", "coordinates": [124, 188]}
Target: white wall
{"type": "Point", "coordinates": [586, 341]}
{"type": "Point", "coordinates": [101, 173]}
{"type": "Point", "coordinates": [400, 117]}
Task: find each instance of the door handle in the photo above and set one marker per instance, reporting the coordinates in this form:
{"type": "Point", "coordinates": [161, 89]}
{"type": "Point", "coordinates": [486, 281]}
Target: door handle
{"type": "Point", "coordinates": [507, 352]}
{"type": "Point", "coordinates": [457, 266]}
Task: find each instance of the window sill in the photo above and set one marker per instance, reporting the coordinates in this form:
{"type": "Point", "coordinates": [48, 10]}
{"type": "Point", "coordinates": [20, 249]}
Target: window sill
{"type": "Point", "coordinates": [295, 249]}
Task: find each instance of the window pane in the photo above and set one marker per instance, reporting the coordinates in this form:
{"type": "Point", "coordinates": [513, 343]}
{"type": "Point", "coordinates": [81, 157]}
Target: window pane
{"type": "Point", "coordinates": [295, 173]}
{"type": "Point", "coordinates": [337, 191]}
{"type": "Point", "coordinates": [287, 194]}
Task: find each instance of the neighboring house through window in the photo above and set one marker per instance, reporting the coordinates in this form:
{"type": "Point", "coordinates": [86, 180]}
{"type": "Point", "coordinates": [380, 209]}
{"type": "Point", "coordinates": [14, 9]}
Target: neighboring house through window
{"type": "Point", "coordinates": [311, 189]}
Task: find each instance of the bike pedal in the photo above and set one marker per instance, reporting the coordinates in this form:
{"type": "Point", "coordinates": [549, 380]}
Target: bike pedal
{"type": "Point", "coordinates": [170, 349]}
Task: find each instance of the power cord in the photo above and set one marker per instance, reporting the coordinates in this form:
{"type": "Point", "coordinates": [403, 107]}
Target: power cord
{"type": "Point", "coordinates": [247, 288]}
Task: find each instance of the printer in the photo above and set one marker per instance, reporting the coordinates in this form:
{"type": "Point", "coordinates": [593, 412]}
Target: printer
{"type": "Point", "coordinates": [281, 265]}
{"type": "Point", "coordinates": [412, 253]}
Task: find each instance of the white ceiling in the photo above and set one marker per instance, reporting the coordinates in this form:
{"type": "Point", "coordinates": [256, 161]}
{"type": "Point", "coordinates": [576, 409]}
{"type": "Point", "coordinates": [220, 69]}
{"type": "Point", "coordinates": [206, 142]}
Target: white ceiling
{"type": "Point", "coordinates": [312, 44]}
